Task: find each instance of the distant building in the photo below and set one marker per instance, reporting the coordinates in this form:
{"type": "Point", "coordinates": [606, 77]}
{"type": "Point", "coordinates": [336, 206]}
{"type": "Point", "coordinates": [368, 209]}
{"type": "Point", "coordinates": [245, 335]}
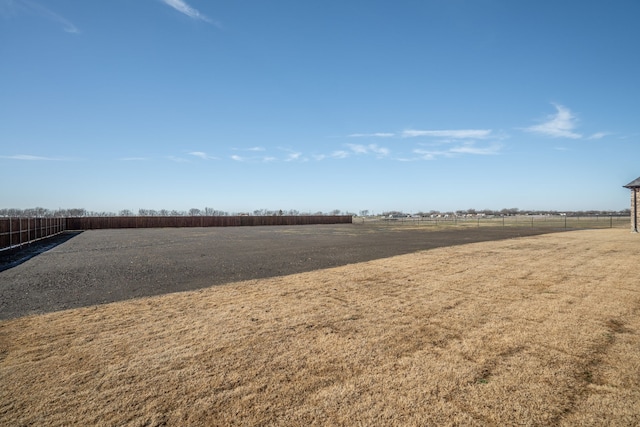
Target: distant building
{"type": "Point", "coordinates": [634, 186]}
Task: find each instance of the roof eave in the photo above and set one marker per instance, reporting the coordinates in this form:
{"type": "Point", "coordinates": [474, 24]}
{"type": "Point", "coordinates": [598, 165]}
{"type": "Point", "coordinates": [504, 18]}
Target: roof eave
{"type": "Point", "coordinates": [633, 184]}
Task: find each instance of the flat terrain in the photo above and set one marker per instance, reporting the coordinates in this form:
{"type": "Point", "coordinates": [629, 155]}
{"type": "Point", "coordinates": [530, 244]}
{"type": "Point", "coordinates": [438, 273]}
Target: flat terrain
{"type": "Point", "coordinates": [539, 330]}
{"type": "Point", "coordinates": [102, 266]}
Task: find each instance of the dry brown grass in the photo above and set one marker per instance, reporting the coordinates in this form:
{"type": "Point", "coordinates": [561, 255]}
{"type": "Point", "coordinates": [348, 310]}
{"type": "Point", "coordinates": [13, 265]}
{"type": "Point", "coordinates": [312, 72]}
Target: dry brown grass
{"type": "Point", "coordinates": [532, 331]}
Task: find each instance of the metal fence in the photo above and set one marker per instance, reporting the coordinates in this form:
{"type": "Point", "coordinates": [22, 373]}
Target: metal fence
{"type": "Point", "coordinates": [532, 221]}
{"type": "Point", "coordinates": [17, 232]}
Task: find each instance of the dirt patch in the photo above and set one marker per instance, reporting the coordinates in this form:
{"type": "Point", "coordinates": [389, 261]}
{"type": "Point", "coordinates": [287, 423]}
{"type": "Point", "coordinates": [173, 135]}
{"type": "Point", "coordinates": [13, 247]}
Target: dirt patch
{"type": "Point", "coordinates": [102, 266]}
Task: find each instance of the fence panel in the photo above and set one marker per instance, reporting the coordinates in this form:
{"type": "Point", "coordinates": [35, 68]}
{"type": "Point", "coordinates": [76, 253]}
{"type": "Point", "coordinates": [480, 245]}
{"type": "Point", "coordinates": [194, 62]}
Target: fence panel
{"type": "Point", "coordinates": [94, 223]}
{"type": "Point", "coordinates": [17, 232]}
{"type": "Point", "coordinates": [533, 221]}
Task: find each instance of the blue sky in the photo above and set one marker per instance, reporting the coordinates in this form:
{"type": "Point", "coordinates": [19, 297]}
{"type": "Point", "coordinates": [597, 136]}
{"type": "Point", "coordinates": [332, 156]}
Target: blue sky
{"type": "Point", "coordinates": [319, 105]}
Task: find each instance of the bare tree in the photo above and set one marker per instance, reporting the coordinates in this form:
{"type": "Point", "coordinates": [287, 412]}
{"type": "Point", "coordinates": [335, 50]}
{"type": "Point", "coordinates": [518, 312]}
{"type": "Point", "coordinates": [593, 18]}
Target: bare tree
{"type": "Point", "coordinates": [77, 212]}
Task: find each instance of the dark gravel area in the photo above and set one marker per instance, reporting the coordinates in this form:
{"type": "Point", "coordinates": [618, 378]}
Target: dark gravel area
{"type": "Point", "coordinates": [16, 256]}
{"type": "Point", "coordinates": [102, 266]}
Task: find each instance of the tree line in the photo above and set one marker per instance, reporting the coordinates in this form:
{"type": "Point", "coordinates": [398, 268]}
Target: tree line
{"type": "Point", "coordinates": [40, 212]}
{"type": "Point", "coordinates": [504, 212]}
{"type": "Point", "coordinates": [81, 212]}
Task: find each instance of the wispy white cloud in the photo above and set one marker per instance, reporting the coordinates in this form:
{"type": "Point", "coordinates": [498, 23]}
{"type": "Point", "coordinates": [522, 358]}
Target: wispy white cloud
{"type": "Point", "coordinates": [372, 135]}
{"type": "Point", "coordinates": [452, 134]}
{"type": "Point", "coordinates": [338, 154]}
{"type": "Point", "coordinates": [293, 156]}
{"type": "Point", "coordinates": [28, 157]}
{"type": "Point", "coordinates": [471, 148]}
{"type": "Point", "coordinates": [34, 8]}
{"type": "Point", "coordinates": [369, 149]}
{"type": "Point", "coordinates": [182, 7]}
{"type": "Point", "coordinates": [558, 125]}
{"type": "Point", "coordinates": [357, 148]}
{"type": "Point", "coordinates": [265, 158]}
{"type": "Point", "coordinates": [202, 155]}
{"type": "Point", "coordinates": [598, 135]}
{"type": "Point", "coordinates": [430, 154]}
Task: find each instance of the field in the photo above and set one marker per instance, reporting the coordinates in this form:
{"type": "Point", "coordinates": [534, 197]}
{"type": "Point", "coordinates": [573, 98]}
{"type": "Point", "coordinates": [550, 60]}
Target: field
{"type": "Point", "coordinates": [534, 330]}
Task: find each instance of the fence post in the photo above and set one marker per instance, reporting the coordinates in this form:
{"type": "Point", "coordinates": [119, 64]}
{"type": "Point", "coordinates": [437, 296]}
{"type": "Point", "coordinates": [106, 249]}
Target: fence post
{"type": "Point", "coordinates": [10, 234]}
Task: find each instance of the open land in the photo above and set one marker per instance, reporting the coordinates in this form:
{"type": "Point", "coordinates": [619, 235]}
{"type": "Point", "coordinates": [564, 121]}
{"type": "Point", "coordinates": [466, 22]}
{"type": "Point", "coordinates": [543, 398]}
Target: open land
{"type": "Point", "coordinates": [102, 266]}
{"type": "Point", "coordinates": [534, 330]}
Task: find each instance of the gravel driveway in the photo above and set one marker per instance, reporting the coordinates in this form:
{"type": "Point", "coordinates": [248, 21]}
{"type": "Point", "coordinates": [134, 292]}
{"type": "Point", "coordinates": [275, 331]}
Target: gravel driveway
{"type": "Point", "coordinates": [102, 266]}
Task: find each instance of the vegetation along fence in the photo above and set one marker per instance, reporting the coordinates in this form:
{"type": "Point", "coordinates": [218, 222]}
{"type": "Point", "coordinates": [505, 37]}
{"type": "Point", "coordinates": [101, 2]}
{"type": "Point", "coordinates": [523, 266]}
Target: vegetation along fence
{"type": "Point", "coordinates": [533, 221]}
{"type": "Point", "coordinates": [16, 232]}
